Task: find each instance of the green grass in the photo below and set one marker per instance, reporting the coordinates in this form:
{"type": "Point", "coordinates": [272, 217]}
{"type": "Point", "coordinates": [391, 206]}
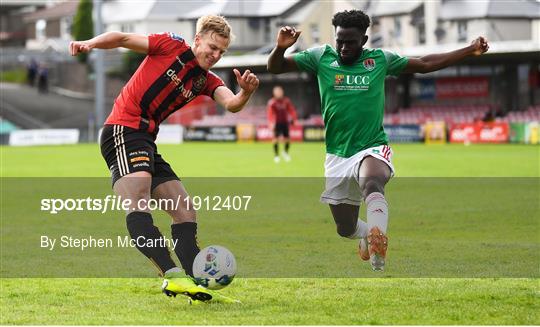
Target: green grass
{"type": "Point", "coordinates": [439, 227]}
{"type": "Point", "coordinates": [17, 75]}
{"type": "Point", "coordinates": [275, 302]}
{"type": "Point", "coordinates": [254, 159]}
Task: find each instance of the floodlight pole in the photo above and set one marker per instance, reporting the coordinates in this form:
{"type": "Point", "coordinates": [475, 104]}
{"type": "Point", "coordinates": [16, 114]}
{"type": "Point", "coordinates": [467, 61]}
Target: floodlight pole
{"type": "Point", "coordinates": [99, 71]}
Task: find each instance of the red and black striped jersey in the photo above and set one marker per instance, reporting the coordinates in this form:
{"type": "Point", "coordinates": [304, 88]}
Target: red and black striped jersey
{"type": "Point", "coordinates": [280, 111]}
{"type": "Point", "coordinates": [167, 79]}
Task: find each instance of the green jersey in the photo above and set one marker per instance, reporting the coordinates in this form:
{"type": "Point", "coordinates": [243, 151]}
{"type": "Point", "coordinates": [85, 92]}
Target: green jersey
{"type": "Point", "coordinates": [352, 96]}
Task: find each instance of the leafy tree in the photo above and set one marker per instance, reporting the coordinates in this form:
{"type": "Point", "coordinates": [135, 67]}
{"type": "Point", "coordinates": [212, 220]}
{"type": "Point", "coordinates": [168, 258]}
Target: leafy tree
{"type": "Point", "coordinates": [83, 25]}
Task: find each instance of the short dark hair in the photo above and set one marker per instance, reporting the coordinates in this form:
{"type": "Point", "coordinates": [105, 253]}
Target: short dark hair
{"type": "Point", "coordinates": [351, 18]}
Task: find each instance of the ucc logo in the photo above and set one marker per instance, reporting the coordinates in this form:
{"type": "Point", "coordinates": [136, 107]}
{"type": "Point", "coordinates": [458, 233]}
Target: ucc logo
{"type": "Point", "coordinates": [341, 79]}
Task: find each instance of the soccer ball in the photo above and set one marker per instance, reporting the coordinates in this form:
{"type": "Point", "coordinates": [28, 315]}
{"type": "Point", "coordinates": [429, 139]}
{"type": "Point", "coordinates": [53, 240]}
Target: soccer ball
{"type": "Point", "coordinates": [214, 267]}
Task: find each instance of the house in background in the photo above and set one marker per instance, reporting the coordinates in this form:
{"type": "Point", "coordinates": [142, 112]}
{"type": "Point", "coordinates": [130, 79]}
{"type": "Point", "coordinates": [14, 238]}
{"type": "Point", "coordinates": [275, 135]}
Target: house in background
{"type": "Point", "coordinates": [411, 28]}
{"type": "Point", "coordinates": [50, 27]}
{"type": "Point", "coordinates": [12, 27]}
{"type": "Point", "coordinates": [147, 17]}
{"type": "Point", "coordinates": [398, 25]}
{"type": "Point", "coordinates": [253, 22]}
{"type": "Point", "coordinates": [498, 20]}
{"type": "Point", "coordinates": [429, 22]}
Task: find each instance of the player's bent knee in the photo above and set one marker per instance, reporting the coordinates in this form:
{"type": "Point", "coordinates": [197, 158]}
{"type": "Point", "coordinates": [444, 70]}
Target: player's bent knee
{"type": "Point", "coordinates": [135, 186]}
{"type": "Point", "coordinates": [372, 185]}
{"type": "Point", "coordinates": [137, 192]}
{"type": "Point", "coordinates": [344, 231]}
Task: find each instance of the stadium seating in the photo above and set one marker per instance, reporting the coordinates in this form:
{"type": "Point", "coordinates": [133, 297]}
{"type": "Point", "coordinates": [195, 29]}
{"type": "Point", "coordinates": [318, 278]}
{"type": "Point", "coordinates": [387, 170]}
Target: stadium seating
{"type": "Point", "coordinates": [458, 114]}
{"type": "Point", "coordinates": [415, 115]}
{"type": "Point", "coordinates": [420, 115]}
{"type": "Point", "coordinates": [252, 115]}
{"type": "Point", "coordinates": [195, 110]}
{"type": "Point", "coordinates": [531, 114]}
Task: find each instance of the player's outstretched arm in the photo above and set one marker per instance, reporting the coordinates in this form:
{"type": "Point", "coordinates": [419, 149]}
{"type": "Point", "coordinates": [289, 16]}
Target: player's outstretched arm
{"type": "Point", "coordinates": [248, 83]}
{"type": "Point", "coordinates": [111, 40]}
{"type": "Point", "coordinates": [435, 62]}
{"type": "Point", "coordinates": [277, 63]}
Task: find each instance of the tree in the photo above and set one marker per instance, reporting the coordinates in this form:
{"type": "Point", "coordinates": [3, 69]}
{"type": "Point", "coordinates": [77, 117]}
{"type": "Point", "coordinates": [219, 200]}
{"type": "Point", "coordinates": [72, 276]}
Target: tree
{"type": "Point", "coordinates": [83, 25]}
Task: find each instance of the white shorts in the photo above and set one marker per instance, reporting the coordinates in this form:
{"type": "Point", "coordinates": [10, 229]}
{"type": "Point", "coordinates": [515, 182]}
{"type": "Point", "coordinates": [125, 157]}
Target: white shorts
{"type": "Point", "coordinates": [342, 175]}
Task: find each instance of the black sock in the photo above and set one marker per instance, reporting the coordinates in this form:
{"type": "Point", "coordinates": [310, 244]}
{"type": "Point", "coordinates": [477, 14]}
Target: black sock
{"type": "Point", "coordinates": [141, 225]}
{"type": "Point", "coordinates": [287, 144]}
{"type": "Point", "coordinates": [185, 235]}
{"type": "Point", "coordinates": [276, 149]}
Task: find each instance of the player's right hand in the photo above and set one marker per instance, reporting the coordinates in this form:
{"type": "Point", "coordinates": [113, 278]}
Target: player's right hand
{"type": "Point", "coordinates": [480, 45]}
{"type": "Point", "coordinates": [287, 36]}
{"type": "Point", "coordinates": [76, 47]}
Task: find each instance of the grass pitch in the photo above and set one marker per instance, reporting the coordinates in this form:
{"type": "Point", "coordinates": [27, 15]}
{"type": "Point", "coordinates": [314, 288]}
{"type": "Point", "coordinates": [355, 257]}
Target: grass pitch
{"type": "Point", "coordinates": [255, 160]}
{"type": "Point", "coordinates": [301, 301]}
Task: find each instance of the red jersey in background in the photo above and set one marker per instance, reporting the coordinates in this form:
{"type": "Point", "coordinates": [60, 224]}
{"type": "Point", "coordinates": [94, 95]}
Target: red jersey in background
{"type": "Point", "coordinates": [281, 111]}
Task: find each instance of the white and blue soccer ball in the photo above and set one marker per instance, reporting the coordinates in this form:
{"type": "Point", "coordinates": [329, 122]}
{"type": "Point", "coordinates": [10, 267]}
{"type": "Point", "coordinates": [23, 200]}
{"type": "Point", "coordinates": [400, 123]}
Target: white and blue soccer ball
{"type": "Point", "coordinates": [214, 267]}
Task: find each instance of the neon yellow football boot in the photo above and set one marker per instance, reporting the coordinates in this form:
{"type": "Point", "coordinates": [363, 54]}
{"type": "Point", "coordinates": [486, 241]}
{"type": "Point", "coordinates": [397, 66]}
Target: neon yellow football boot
{"type": "Point", "coordinates": [178, 283]}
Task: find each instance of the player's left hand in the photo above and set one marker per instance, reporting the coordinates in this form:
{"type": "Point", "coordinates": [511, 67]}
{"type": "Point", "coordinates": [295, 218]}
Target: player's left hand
{"type": "Point", "coordinates": [247, 81]}
{"type": "Point", "coordinates": [480, 46]}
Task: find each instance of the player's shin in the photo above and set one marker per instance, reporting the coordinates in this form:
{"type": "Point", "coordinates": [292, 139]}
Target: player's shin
{"type": "Point", "coordinates": [146, 237]}
{"type": "Point", "coordinates": [377, 211]}
{"type": "Point", "coordinates": [185, 237]}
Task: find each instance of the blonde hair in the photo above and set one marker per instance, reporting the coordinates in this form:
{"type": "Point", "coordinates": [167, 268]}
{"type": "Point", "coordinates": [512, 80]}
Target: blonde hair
{"type": "Point", "coordinates": [214, 24]}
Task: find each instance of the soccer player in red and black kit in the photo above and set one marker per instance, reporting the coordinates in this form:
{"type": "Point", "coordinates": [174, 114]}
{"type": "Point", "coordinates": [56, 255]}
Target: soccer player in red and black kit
{"type": "Point", "coordinates": [172, 74]}
{"type": "Point", "coordinates": [281, 112]}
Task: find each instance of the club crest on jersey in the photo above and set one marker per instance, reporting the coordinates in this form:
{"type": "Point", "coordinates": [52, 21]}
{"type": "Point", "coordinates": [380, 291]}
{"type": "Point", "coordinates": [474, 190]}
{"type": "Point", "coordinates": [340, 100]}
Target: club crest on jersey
{"type": "Point", "coordinates": [339, 79]}
{"type": "Point", "coordinates": [175, 36]}
{"type": "Point", "coordinates": [369, 64]}
{"type": "Point", "coordinates": [198, 83]}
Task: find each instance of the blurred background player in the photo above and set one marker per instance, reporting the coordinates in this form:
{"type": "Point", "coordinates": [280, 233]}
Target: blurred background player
{"type": "Point", "coordinates": [31, 72]}
{"type": "Point", "coordinates": [43, 78]}
{"type": "Point", "coordinates": [351, 82]}
{"type": "Point", "coordinates": [172, 74]}
{"type": "Point", "coordinates": [281, 113]}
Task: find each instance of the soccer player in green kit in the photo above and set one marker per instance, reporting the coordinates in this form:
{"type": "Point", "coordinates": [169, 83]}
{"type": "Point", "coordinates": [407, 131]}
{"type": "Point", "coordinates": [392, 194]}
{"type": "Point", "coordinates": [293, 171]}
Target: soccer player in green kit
{"type": "Point", "coordinates": [351, 85]}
